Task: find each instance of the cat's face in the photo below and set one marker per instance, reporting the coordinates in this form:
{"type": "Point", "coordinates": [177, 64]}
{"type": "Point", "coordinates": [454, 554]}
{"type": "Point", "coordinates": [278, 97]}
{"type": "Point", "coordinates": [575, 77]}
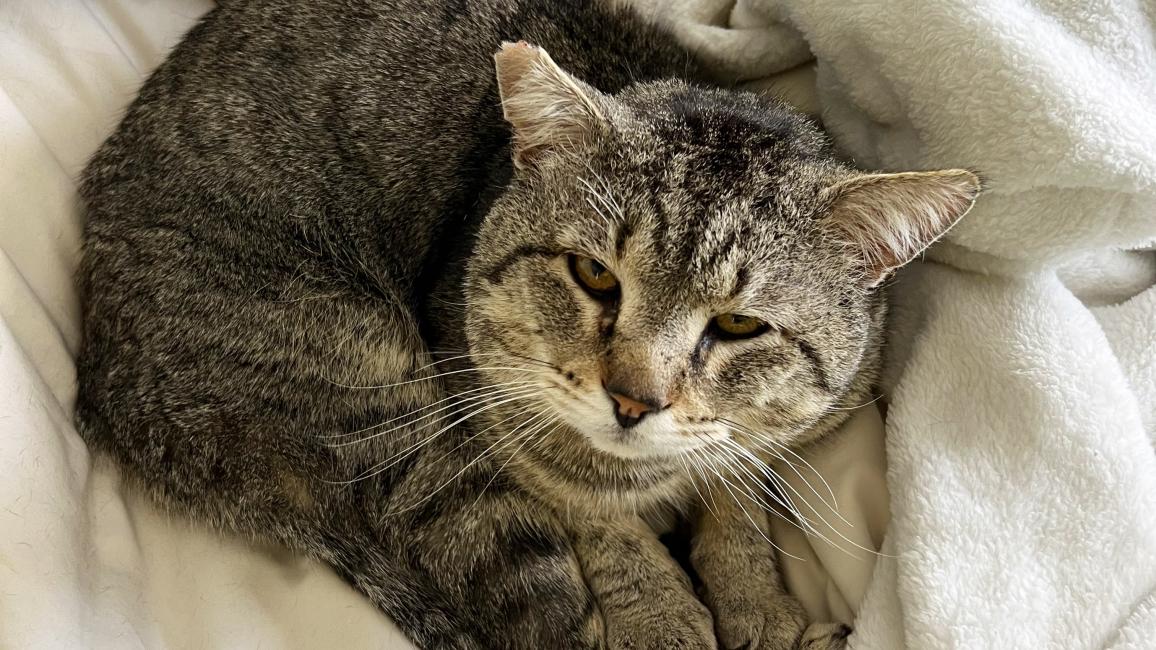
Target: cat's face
{"type": "Point", "coordinates": [666, 269]}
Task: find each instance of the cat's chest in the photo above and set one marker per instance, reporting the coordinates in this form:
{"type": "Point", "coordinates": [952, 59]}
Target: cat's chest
{"type": "Point", "coordinates": [657, 497]}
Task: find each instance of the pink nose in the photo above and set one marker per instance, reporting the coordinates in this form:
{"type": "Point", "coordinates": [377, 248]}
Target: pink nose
{"type": "Point", "coordinates": [628, 411]}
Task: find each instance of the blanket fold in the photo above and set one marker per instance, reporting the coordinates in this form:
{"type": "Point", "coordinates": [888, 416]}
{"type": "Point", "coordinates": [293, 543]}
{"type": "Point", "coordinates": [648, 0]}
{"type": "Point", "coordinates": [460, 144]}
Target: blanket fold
{"type": "Point", "coordinates": [1021, 420]}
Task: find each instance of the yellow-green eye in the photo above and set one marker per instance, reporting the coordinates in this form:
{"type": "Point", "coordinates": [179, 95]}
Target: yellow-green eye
{"type": "Point", "coordinates": [593, 277]}
{"type": "Point", "coordinates": [737, 326]}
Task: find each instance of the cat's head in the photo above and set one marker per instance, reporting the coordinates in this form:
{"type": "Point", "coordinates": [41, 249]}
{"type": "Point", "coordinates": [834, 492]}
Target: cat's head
{"type": "Point", "coordinates": [675, 266]}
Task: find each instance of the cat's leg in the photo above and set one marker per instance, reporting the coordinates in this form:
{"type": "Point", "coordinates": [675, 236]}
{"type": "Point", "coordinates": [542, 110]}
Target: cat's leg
{"type": "Point", "coordinates": [478, 593]}
{"type": "Point", "coordinates": [467, 570]}
{"type": "Point", "coordinates": [500, 560]}
{"type": "Point", "coordinates": [731, 553]}
{"type": "Point", "coordinates": [646, 598]}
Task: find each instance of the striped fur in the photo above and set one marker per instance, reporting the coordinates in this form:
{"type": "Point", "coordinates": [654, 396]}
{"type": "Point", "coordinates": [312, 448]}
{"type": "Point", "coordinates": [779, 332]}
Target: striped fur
{"type": "Point", "coordinates": [323, 308]}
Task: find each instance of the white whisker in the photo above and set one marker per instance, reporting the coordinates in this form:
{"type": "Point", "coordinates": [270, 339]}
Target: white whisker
{"type": "Point", "coordinates": [459, 473]}
{"type": "Point", "coordinates": [833, 506]}
{"type": "Point", "coordinates": [389, 462]}
{"type": "Point", "coordinates": [431, 377]}
{"type": "Point", "coordinates": [727, 485]}
{"type": "Point", "coordinates": [736, 461]}
{"type": "Point", "coordinates": [765, 439]}
{"type": "Point", "coordinates": [468, 355]}
{"type": "Point", "coordinates": [803, 523]}
{"type": "Point", "coordinates": [687, 462]}
{"type": "Point", "coordinates": [464, 405]}
{"type": "Point", "coordinates": [527, 438]}
{"type": "Point", "coordinates": [852, 408]}
{"type": "Point", "coordinates": [497, 389]}
{"type": "Point", "coordinates": [782, 500]}
{"type": "Point", "coordinates": [813, 529]}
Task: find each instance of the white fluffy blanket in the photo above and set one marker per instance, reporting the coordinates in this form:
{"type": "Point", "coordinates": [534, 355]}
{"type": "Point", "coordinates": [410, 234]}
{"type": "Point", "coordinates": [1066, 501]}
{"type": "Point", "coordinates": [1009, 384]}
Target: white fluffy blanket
{"type": "Point", "coordinates": [1022, 383]}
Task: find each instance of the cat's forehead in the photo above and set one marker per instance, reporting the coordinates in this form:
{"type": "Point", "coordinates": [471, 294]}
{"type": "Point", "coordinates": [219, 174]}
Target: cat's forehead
{"type": "Point", "coordinates": [702, 153]}
{"type": "Point", "coordinates": [689, 246]}
{"type": "Point", "coordinates": [710, 195]}
{"type": "Point", "coordinates": [721, 130]}
{"type": "Point", "coordinates": [698, 211]}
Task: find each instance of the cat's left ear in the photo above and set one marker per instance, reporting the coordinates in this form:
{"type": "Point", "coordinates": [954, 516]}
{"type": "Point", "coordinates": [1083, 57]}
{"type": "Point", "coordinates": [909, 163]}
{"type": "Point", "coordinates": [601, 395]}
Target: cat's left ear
{"type": "Point", "coordinates": [889, 219]}
{"type": "Point", "coordinates": [548, 108]}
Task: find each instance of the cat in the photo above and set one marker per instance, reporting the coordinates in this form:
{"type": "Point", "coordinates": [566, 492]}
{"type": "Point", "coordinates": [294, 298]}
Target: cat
{"type": "Point", "coordinates": [461, 297]}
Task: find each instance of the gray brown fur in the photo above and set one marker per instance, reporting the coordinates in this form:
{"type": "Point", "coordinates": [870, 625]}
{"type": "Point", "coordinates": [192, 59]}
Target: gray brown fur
{"type": "Point", "coordinates": [310, 200]}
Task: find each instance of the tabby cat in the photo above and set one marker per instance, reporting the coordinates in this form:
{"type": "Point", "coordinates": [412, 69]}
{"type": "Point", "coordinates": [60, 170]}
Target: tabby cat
{"type": "Point", "coordinates": [467, 336]}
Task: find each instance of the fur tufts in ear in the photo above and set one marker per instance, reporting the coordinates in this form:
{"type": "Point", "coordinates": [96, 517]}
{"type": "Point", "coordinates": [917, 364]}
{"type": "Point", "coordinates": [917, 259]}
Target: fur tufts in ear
{"type": "Point", "coordinates": [548, 108]}
{"type": "Point", "coordinates": [891, 218]}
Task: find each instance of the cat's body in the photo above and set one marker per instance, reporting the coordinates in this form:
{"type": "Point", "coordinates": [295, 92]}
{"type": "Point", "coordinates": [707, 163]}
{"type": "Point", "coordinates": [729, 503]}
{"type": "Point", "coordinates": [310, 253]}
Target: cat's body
{"type": "Point", "coordinates": [278, 240]}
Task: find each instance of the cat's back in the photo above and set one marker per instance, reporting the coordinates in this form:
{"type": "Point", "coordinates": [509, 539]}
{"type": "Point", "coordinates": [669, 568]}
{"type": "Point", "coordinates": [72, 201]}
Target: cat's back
{"type": "Point", "coordinates": [350, 126]}
{"type": "Point", "coordinates": [264, 219]}
{"type": "Point", "coordinates": [297, 112]}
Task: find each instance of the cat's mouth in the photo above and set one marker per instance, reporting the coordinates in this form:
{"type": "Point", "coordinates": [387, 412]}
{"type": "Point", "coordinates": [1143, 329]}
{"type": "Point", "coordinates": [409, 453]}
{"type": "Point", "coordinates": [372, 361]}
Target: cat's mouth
{"type": "Point", "coordinates": [629, 444]}
{"type": "Point", "coordinates": [659, 435]}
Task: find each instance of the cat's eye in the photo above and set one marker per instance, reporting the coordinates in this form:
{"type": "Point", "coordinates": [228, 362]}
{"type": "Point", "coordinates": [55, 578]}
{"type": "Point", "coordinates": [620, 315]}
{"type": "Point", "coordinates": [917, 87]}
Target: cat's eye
{"type": "Point", "coordinates": [737, 326]}
{"type": "Point", "coordinates": [592, 276]}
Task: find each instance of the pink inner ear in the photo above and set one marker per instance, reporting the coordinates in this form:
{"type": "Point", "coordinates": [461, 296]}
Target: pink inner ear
{"type": "Point", "coordinates": [549, 109]}
{"type": "Point", "coordinates": [890, 218]}
{"type": "Point", "coordinates": [511, 63]}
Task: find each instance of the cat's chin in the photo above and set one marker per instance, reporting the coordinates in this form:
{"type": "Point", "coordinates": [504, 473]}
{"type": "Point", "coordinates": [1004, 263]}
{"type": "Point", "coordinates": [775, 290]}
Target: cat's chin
{"type": "Point", "coordinates": [626, 444]}
{"type": "Point", "coordinates": [625, 448]}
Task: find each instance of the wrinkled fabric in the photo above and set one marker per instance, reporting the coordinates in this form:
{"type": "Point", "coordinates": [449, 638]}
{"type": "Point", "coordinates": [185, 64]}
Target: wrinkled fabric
{"type": "Point", "coordinates": [1022, 368]}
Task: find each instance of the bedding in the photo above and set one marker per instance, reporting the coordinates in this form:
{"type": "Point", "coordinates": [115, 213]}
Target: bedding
{"type": "Point", "coordinates": [1021, 383]}
{"type": "Point", "coordinates": [84, 560]}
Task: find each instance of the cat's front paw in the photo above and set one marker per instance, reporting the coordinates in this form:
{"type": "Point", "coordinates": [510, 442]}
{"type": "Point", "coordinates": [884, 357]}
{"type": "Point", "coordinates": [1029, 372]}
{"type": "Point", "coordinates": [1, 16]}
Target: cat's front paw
{"type": "Point", "coordinates": [825, 636]}
{"type": "Point", "coordinates": [685, 625]}
{"type": "Point", "coordinates": [745, 623]}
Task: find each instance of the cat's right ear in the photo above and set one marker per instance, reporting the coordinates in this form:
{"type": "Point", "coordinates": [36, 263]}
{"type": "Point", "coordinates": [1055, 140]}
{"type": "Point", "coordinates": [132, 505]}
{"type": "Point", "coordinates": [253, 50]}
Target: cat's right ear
{"type": "Point", "coordinates": [889, 219]}
{"type": "Point", "coordinates": [549, 109]}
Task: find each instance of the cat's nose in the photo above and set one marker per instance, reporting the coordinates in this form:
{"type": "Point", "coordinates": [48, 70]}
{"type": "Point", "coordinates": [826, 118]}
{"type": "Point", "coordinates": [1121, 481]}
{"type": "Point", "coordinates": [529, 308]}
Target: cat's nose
{"type": "Point", "coordinates": [628, 410]}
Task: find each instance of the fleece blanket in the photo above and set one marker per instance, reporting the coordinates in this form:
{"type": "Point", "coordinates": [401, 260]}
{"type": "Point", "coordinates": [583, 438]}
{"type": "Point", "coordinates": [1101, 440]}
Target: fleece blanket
{"type": "Point", "coordinates": [1022, 371]}
{"type": "Point", "coordinates": [84, 561]}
